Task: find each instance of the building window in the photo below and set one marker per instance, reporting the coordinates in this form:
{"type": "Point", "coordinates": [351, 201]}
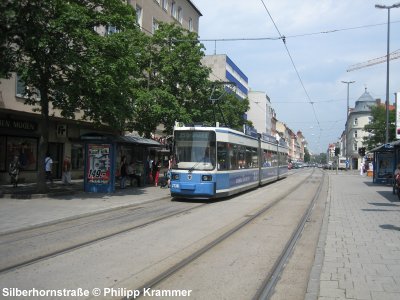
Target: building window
{"type": "Point", "coordinates": [110, 29]}
{"type": "Point", "coordinates": [165, 5]}
{"type": "Point", "coordinates": [173, 9]}
{"type": "Point", "coordinates": [21, 90]}
{"type": "Point", "coordinates": [355, 148]}
{"type": "Point", "coordinates": [355, 134]}
{"type": "Point", "coordinates": [155, 25]}
{"type": "Point", "coordinates": [158, 1]}
{"type": "Point", "coordinates": [139, 15]}
{"type": "Point", "coordinates": [356, 121]}
{"type": "Point", "coordinates": [180, 15]}
{"type": "Point", "coordinates": [190, 24]}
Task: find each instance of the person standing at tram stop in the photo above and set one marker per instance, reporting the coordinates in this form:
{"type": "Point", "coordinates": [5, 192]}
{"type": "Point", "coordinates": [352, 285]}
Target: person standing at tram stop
{"type": "Point", "coordinates": [156, 172]}
{"type": "Point", "coordinates": [397, 172]}
{"type": "Point", "coordinates": [66, 177]}
{"type": "Point", "coordinates": [169, 171]}
{"type": "Point", "coordinates": [13, 170]}
{"type": "Point", "coordinates": [48, 165]}
{"type": "Point", "coordinates": [124, 172]}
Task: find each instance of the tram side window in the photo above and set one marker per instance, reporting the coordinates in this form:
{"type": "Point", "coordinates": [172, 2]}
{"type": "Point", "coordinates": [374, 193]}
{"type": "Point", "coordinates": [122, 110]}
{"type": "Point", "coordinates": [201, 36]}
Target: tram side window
{"type": "Point", "coordinates": [254, 157]}
{"type": "Point", "coordinates": [282, 159]}
{"type": "Point", "coordinates": [267, 158]}
{"type": "Point", "coordinates": [223, 156]}
{"type": "Point", "coordinates": [274, 160]}
{"type": "Point", "coordinates": [234, 153]}
{"type": "Point", "coordinates": [251, 157]}
{"type": "Point", "coordinates": [242, 157]}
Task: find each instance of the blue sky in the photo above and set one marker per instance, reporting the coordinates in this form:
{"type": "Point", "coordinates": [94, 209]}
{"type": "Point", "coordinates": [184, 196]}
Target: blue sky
{"type": "Point", "coordinates": [321, 59]}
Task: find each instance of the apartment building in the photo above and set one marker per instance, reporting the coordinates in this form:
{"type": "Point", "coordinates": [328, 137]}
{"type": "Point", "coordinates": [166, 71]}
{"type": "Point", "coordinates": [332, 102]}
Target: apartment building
{"type": "Point", "coordinates": [358, 117]}
{"type": "Point", "coordinates": [260, 112]}
{"type": "Point", "coordinates": [225, 70]}
{"type": "Point", "coordinates": [150, 13]}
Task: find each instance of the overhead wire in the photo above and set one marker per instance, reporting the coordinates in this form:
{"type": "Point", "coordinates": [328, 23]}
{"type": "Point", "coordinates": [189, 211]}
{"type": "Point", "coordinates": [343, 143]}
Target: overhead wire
{"type": "Point", "coordinates": [294, 35]}
{"type": "Point", "coordinates": [293, 64]}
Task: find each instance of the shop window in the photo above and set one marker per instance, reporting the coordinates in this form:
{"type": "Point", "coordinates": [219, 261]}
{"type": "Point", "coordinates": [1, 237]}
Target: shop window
{"type": "Point", "coordinates": [25, 148]}
{"type": "Point", "coordinates": [77, 156]}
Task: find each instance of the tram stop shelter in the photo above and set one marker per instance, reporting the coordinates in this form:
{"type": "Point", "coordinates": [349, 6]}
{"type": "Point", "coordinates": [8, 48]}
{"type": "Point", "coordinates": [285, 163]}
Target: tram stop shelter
{"type": "Point", "coordinates": [385, 159]}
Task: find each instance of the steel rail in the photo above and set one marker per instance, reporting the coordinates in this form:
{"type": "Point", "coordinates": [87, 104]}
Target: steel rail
{"type": "Point", "coordinates": [92, 241]}
{"type": "Point", "coordinates": [267, 288]}
{"type": "Point", "coordinates": [191, 258]}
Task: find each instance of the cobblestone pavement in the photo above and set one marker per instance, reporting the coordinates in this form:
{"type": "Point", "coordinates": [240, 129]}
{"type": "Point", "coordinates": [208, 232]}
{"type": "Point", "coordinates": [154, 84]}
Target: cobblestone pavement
{"type": "Point", "coordinates": [362, 246]}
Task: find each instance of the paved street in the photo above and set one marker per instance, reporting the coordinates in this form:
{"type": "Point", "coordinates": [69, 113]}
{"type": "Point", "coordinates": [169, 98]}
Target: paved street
{"type": "Point", "coordinates": [23, 208]}
{"type": "Point", "coordinates": [359, 254]}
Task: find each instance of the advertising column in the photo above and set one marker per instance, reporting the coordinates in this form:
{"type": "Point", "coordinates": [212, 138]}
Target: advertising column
{"type": "Point", "coordinates": [99, 168]}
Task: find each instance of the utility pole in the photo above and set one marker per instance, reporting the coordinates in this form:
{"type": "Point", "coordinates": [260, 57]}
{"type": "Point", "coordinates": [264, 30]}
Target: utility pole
{"type": "Point", "coordinates": [387, 65]}
{"type": "Point", "coordinates": [346, 132]}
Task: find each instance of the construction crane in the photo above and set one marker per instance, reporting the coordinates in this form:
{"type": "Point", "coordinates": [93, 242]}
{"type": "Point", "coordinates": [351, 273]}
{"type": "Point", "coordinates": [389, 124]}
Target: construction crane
{"type": "Point", "coordinates": [375, 61]}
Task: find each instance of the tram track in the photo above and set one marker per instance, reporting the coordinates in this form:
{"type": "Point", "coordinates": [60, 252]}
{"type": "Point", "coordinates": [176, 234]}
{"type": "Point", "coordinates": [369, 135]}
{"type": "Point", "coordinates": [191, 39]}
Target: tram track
{"type": "Point", "coordinates": [19, 260]}
{"type": "Point", "coordinates": [250, 218]}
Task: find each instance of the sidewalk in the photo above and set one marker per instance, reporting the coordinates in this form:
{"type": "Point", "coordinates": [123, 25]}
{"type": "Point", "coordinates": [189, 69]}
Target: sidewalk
{"type": "Point", "coordinates": [21, 208]}
{"type": "Point", "coordinates": [359, 249]}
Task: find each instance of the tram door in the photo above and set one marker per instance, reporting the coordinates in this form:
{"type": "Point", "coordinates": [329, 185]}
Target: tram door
{"type": "Point", "coordinates": [56, 153]}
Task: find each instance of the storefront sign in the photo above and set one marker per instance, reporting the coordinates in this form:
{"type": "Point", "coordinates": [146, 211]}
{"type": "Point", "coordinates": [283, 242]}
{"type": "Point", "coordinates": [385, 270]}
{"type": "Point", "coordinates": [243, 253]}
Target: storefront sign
{"type": "Point", "coordinates": [18, 124]}
{"type": "Point", "coordinates": [99, 163]}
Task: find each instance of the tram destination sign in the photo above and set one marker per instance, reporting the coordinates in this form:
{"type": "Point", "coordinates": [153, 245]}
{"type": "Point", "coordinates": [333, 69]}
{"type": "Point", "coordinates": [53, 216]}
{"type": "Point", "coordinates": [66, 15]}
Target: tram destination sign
{"type": "Point", "coordinates": [192, 135]}
{"type": "Point", "coordinates": [18, 124]}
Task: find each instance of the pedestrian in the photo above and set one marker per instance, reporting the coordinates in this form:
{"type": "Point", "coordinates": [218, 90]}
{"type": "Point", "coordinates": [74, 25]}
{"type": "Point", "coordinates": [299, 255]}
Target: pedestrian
{"type": "Point", "coordinates": [123, 172]}
{"type": "Point", "coordinates": [13, 170]}
{"type": "Point", "coordinates": [66, 177]}
{"type": "Point", "coordinates": [48, 165]}
{"type": "Point", "coordinates": [156, 172]}
{"type": "Point", "coordinates": [169, 172]}
{"type": "Point", "coordinates": [132, 173]}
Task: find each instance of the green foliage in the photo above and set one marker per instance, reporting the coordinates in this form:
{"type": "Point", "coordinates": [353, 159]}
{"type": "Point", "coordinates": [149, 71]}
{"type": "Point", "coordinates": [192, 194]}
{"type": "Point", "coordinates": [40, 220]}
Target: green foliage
{"type": "Point", "coordinates": [377, 128]}
{"type": "Point", "coordinates": [307, 156]}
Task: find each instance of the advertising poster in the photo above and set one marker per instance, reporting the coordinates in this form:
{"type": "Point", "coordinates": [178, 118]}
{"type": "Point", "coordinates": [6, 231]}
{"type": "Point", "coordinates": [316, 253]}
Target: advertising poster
{"type": "Point", "coordinates": [99, 163]}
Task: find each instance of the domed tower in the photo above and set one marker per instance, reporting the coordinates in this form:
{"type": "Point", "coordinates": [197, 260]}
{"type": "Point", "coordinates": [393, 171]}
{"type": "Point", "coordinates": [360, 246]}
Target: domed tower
{"type": "Point", "coordinates": [358, 117]}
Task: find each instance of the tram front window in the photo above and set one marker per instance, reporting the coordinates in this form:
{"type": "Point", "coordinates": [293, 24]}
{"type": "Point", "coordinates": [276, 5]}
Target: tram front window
{"type": "Point", "coordinates": [195, 150]}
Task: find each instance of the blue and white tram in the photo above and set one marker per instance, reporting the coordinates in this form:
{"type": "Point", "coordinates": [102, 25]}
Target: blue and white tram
{"type": "Point", "coordinates": [213, 162]}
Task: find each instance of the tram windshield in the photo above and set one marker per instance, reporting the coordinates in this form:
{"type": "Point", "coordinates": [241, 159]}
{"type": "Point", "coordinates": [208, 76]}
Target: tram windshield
{"type": "Point", "coordinates": [195, 150]}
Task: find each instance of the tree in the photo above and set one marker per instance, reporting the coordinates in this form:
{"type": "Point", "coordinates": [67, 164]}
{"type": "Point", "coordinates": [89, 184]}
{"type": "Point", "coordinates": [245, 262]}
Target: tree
{"type": "Point", "coordinates": [55, 47]}
{"type": "Point", "coordinates": [178, 86]}
{"type": "Point", "coordinates": [377, 128]}
{"type": "Point", "coordinates": [307, 156]}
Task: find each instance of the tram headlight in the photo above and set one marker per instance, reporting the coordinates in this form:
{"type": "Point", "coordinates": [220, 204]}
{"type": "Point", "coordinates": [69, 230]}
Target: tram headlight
{"type": "Point", "coordinates": [206, 177]}
{"type": "Point", "coordinates": [175, 176]}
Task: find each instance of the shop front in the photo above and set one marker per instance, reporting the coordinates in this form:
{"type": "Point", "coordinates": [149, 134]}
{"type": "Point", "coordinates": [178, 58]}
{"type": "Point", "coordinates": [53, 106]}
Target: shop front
{"type": "Point", "coordinates": [20, 135]}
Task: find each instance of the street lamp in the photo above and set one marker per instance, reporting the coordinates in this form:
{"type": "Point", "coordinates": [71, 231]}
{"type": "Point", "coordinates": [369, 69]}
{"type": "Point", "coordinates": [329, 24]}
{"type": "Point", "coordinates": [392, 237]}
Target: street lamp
{"type": "Point", "coordinates": [387, 66]}
{"type": "Point", "coordinates": [347, 121]}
